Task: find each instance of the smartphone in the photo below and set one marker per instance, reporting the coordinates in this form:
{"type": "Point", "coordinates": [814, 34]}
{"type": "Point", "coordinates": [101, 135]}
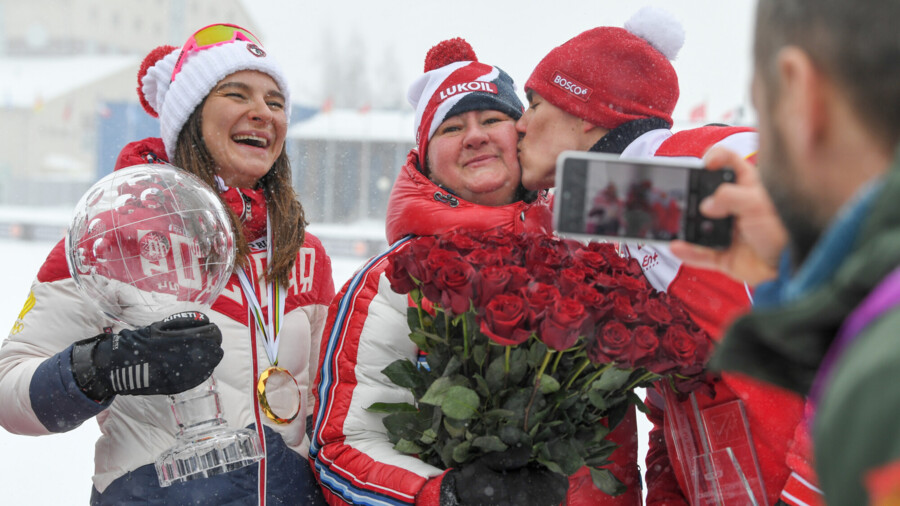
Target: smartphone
{"type": "Point", "coordinates": [603, 196]}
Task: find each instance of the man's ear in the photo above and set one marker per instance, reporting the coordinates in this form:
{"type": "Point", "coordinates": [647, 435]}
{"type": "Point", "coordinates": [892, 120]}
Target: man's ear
{"type": "Point", "coordinates": [590, 134]}
{"type": "Point", "coordinates": [801, 105]}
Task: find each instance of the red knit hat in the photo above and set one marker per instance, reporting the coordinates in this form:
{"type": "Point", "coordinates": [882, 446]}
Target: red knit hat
{"type": "Point", "coordinates": [610, 75]}
{"type": "Point", "coordinates": [455, 82]}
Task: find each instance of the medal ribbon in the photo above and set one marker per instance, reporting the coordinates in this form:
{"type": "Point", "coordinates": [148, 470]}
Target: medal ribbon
{"type": "Point", "coordinates": [270, 324]}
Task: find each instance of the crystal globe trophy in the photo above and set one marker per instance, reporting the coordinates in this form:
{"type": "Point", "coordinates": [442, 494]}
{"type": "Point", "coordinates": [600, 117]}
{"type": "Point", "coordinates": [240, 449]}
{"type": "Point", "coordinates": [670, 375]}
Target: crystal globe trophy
{"type": "Point", "coordinates": [146, 242]}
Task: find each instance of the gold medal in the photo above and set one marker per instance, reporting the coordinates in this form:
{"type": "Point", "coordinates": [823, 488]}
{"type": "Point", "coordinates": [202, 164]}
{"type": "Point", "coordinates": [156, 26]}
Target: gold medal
{"type": "Point", "coordinates": [279, 394]}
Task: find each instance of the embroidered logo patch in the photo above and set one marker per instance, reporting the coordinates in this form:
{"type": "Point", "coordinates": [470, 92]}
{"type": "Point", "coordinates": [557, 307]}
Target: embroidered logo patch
{"type": "Point", "coordinates": [580, 91]}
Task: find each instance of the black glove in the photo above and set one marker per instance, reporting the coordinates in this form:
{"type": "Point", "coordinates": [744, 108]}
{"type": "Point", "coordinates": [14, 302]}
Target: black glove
{"type": "Point", "coordinates": [490, 482]}
{"type": "Point", "coordinates": [165, 357]}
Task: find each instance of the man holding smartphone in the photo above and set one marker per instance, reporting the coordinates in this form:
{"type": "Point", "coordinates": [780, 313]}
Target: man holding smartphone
{"type": "Point", "coordinates": [612, 90]}
{"type": "Point", "coordinates": [829, 119]}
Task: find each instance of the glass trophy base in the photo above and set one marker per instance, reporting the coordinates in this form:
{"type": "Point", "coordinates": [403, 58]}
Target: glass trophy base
{"type": "Point", "coordinates": [207, 454]}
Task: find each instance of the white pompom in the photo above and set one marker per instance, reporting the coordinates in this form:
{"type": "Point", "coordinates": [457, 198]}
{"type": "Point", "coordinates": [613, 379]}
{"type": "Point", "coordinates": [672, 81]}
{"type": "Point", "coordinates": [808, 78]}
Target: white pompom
{"type": "Point", "coordinates": [659, 28]}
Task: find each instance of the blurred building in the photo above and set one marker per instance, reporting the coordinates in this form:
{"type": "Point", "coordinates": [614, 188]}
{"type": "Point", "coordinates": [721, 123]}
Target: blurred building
{"type": "Point", "coordinates": [67, 85]}
{"type": "Point", "coordinates": [68, 104]}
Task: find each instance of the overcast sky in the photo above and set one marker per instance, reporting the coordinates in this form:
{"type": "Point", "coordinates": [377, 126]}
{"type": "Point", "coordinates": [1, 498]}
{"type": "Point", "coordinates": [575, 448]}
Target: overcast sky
{"type": "Point", "coordinates": [714, 65]}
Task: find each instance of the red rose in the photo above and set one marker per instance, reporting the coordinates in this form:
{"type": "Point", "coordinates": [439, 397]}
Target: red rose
{"type": "Point", "coordinates": [676, 309]}
{"type": "Point", "coordinates": [494, 280]}
{"type": "Point", "coordinates": [539, 297]}
{"type": "Point", "coordinates": [657, 313]}
{"type": "Point", "coordinates": [504, 320]}
{"type": "Point", "coordinates": [460, 241]}
{"type": "Point", "coordinates": [622, 308]}
{"type": "Point", "coordinates": [645, 344]}
{"type": "Point", "coordinates": [633, 268]}
{"type": "Point", "coordinates": [593, 301]}
{"type": "Point", "coordinates": [591, 259]}
{"type": "Point", "coordinates": [435, 258]}
{"type": "Point", "coordinates": [549, 255]}
{"type": "Point", "coordinates": [543, 274]}
{"type": "Point", "coordinates": [456, 282]}
{"type": "Point", "coordinates": [615, 261]}
{"type": "Point", "coordinates": [606, 281]}
{"type": "Point", "coordinates": [610, 343]}
{"type": "Point", "coordinates": [519, 278]}
{"type": "Point", "coordinates": [563, 323]}
{"type": "Point", "coordinates": [484, 256]}
{"type": "Point", "coordinates": [399, 277]}
{"type": "Point", "coordinates": [496, 237]}
{"type": "Point", "coordinates": [685, 348]}
{"type": "Point", "coordinates": [571, 278]}
{"type": "Point", "coordinates": [632, 284]}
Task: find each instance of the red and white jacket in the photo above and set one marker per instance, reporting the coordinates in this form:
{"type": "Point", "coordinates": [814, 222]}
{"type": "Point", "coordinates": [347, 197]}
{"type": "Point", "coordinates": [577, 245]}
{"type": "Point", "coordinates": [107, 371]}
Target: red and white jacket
{"type": "Point", "coordinates": [713, 300]}
{"type": "Point", "coordinates": [367, 330]}
{"type": "Point", "coordinates": [137, 429]}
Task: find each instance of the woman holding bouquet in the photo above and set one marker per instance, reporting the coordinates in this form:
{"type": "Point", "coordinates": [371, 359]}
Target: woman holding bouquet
{"type": "Point", "coordinates": [224, 107]}
{"type": "Point", "coordinates": [464, 174]}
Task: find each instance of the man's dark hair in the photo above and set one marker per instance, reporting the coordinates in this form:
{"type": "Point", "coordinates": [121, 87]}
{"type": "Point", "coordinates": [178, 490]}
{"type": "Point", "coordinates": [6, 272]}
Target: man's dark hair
{"type": "Point", "coordinates": [855, 43]}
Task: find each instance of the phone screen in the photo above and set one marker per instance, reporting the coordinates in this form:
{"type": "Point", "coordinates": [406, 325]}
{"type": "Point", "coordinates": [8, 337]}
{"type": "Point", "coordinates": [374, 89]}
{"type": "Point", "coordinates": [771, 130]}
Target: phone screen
{"type": "Point", "coordinates": [647, 200]}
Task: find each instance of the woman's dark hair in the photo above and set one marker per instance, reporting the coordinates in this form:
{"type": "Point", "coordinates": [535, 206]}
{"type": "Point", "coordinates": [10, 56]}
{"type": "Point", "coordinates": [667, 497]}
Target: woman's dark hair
{"type": "Point", "coordinates": [287, 218]}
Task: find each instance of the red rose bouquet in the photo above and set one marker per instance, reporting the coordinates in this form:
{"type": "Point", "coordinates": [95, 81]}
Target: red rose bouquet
{"type": "Point", "coordinates": [534, 342]}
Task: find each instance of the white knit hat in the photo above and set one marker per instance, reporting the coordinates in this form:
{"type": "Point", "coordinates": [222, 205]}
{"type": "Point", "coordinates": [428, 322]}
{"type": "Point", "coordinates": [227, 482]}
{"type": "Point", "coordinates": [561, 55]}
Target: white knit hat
{"type": "Point", "coordinates": [174, 98]}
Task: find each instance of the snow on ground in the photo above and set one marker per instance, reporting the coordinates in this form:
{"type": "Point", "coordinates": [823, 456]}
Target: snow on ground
{"type": "Point", "coordinates": [57, 469]}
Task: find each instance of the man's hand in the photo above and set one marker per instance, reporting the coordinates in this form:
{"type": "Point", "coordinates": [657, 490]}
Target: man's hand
{"type": "Point", "coordinates": [165, 357]}
{"type": "Point", "coordinates": [759, 235]}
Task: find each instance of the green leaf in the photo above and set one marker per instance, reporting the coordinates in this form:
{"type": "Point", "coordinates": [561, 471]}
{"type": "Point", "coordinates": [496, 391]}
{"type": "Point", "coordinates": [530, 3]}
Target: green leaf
{"type": "Point", "coordinates": [447, 452]}
{"type": "Point", "coordinates": [598, 399]}
{"type": "Point", "coordinates": [518, 365]}
{"type": "Point", "coordinates": [566, 455]}
{"type": "Point", "coordinates": [489, 443]}
{"type": "Point", "coordinates": [549, 464]}
{"type": "Point", "coordinates": [403, 373]}
{"type": "Point", "coordinates": [437, 392]}
{"type": "Point", "coordinates": [616, 414]}
{"type": "Point", "coordinates": [460, 403]}
{"type": "Point", "coordinates": [419, 339]}
{"type": "Point", "coordinates": [456, 428]}
{"type": "Point", "coordinates": [495, 374]}
{"type": "Point", "coordinates": [453, 366]}
{"type": "Point", "coordinates": [391, 407]}
{"type": "Point", "coordinates": [611, 379]}
{"type": "Point", "coordinates": [407, 447]}
{"type": "Point", "coordinates": [536, 354]}
{"type": "Point", "coordinates": [549, 384]}
{"type": "Point", "coordinates": [481, 386]}
{"type": "Point", "coordinates": [503, 414]}
{"type": "Point", "coordinates": [461, 452]}
{"type": "Point", "coordinates": [428, 437]}
{"type": "Point", "coordinates": [412, 318]}
{"type": "Point", "coordinates": [479, 354]}
{"type": "Point", "coordinates": [635, 399]}
{"type": "Point", "coordinates": [512, 435]}
{"type": "Point", "coordinates": [406, 425]}
{"type": "Point", "coordinates": [605, 481]}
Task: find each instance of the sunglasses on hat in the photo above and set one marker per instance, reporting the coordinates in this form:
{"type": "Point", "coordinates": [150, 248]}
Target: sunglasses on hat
{"type": "Point", "coordinates": [212, 36]}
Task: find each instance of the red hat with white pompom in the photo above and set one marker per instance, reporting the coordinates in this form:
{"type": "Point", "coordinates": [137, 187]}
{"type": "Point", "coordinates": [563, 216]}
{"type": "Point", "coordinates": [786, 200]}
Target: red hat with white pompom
{"type": "Point", "coordinates": [172, 95]}
{"type": "Point", "coordinates": [455, 82]}
{"type": "Point", "coordinates": [609, 75]}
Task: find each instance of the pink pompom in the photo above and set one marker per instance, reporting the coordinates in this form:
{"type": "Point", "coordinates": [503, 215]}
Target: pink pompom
{"type": "Point", "coordinates": [447, 52]}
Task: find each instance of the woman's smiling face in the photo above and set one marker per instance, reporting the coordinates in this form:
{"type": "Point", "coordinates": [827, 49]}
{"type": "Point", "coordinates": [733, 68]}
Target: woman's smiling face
{"type": "Point", "coordinates": [244, 126]}
{"type": "Point", "coordinates": [473, 154]}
